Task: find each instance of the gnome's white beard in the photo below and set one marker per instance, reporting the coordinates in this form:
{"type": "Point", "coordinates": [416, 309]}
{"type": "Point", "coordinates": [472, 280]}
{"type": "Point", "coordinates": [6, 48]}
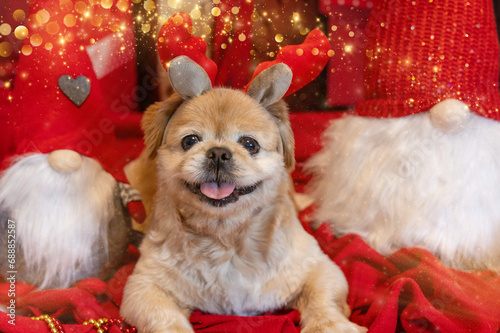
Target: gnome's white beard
{"type": "Point", "coordinates": [59, 218]}
{"type": "Point", "coordinates": [404, 183]}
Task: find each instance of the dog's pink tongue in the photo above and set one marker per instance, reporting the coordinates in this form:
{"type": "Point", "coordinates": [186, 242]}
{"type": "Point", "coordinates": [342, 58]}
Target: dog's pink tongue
{"type": "Point", "coordinates": [217, 191]}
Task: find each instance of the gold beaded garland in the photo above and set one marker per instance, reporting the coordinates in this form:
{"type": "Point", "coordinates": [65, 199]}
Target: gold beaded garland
{"type": "Point", "coordinates": [53, 323]}
{"type": "Point", "coordinates": [101, 325]}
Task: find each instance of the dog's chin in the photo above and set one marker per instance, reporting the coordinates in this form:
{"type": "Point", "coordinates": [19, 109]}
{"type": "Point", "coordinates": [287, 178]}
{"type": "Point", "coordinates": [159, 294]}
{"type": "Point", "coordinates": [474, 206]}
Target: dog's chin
{"type": "Point", "coordinates": [221, 199]}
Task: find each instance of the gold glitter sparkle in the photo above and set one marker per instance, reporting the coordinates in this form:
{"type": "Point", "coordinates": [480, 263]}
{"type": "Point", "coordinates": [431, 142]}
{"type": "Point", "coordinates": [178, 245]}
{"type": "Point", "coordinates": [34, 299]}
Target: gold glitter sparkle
{"type": "Point", "coordinates": [21, 32]}
{"type": "Point", "coordinates": [48, 30]}
{"type": "Point", "coordinates": [18, 15]}
{"type": "Point", "coordinates": [6, 49]}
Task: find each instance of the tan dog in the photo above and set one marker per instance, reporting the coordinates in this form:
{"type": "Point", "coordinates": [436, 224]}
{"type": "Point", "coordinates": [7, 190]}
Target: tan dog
{"type": "Point", "coordinates": [224, 236]}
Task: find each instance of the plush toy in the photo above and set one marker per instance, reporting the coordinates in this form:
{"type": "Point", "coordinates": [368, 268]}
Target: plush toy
{"type": "Point", "coordinates": [63, 213]}
{"type": "Point", "coordinates": [417, 164]}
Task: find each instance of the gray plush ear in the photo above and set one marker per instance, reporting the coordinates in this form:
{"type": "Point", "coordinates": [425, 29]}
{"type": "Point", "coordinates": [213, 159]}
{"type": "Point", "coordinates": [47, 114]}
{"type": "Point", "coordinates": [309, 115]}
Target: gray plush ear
{"type": "Point", "coordinates": [271, 84]}
{"type": "Point", "coordinates": [188, 78]}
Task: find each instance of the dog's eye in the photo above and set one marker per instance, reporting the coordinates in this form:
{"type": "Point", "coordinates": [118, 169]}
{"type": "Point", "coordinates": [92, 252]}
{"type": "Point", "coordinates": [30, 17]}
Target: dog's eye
{"type": "Point", "coordinates": [189, 141]}
{"type": "Point", "coordinates": [250, 144]}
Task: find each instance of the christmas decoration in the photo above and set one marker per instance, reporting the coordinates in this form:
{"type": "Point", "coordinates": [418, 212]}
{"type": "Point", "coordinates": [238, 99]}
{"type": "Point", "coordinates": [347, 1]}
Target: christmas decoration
{"type": "Point", "coordinates": [77, 90]}
{"type": "Point", "coordinates": [61, 188]}
{"type": "Point", "coordinates": [417, 164]}
{"type": "Point", "coordinates": [306, 60]}
{"type": "Point", "coordinates": [176, 38]}
{"type": "Point", "coordinates": [234, 62]}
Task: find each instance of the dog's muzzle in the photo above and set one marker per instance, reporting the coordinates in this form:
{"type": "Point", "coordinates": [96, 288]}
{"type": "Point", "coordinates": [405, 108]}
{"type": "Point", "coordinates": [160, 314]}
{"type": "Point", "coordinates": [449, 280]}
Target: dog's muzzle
{"type": "Point", "coordinates": [219, 190]}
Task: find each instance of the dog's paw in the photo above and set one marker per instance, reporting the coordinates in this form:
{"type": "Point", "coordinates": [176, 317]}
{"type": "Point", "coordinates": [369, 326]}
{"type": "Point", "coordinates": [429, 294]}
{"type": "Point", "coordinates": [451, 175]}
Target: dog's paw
{"type": "Point", "coordinates": [329, 326]}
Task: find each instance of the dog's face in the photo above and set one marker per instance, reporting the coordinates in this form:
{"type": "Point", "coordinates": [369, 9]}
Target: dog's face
{"type": "Point", "coordinates": [220, 153]}
{"type": "Point", "coordinates": [222, 146]}
{"type": "Point", "coordinates": [222, 150]}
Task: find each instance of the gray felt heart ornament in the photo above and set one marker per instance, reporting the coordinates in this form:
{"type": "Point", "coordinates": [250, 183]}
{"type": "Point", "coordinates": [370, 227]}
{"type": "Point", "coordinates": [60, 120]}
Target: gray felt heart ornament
{"type": "Point", "coordinates": [77, 90]}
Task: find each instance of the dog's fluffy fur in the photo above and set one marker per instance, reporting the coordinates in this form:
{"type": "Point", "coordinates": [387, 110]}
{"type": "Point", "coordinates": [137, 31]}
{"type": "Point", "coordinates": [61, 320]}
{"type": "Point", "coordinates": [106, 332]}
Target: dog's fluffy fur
{"type": "Point", "coordinates": [405, 183]}
{"type": "Point", "coordinates": [242, 258]}
{"type": "Point", "coordinates": [61, 221]}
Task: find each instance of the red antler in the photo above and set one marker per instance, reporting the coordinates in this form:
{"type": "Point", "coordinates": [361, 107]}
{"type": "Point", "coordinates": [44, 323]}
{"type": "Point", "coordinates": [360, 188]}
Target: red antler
{"type": "Point", "coordinates": [175, 39]}
{"type": "Point", "coordinates": [306, 60]}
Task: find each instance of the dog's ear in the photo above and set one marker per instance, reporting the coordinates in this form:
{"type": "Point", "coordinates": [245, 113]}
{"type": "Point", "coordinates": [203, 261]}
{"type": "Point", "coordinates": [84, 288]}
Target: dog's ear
{"type": "Point", "coordinates": [271, 84]}
{"type": "Point", "coordinates": [154, 121]}
{"type": "Point", "coordinates": [188, 78]}
{"type": "Point", "coordinates": [268, 88]}
{"type": "Point", "coordinates": [279, 111]}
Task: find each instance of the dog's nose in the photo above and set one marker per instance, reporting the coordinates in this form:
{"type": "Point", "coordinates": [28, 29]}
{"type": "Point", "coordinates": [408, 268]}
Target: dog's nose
{"type": "Point", "coordinates": [219, 155]}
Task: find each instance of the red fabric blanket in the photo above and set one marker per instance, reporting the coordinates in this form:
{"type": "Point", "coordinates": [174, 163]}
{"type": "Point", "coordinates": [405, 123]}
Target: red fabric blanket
{"type": "Point", "coordinates": [410, 291]}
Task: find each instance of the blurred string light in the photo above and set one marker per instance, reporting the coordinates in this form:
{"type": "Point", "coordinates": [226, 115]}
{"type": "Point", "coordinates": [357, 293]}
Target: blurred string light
{"type": "Point", "coordinates": [78, 11]}
{"type": "Point", "coordinates": [82, 11]}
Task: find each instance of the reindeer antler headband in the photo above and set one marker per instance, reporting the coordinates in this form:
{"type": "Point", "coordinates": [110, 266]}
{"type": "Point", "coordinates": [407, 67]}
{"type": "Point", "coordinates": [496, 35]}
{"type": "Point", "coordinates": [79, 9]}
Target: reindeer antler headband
{"type": "Point", "coordinates": [306, 61]}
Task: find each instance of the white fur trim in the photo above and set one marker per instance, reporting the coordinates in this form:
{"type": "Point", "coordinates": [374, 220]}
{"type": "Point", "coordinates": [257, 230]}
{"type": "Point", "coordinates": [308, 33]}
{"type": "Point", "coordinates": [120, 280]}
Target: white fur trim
{"type": "Point", "coordinates": [59, 216]}
{"type": "Point", "coordinates": [403, 183]}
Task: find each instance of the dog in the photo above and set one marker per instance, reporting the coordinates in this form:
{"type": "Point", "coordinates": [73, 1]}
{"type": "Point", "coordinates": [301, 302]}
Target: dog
{"type": "Point", "coordinates": [224, 236]}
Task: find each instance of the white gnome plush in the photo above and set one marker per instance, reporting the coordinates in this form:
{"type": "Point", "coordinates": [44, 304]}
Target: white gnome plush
{"type": "Point", "coordinates": [63, 213]}
{"type": "Point", "coordinates": [417, 164]}
{"type": "Point", "coordinates": [66, 217]}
